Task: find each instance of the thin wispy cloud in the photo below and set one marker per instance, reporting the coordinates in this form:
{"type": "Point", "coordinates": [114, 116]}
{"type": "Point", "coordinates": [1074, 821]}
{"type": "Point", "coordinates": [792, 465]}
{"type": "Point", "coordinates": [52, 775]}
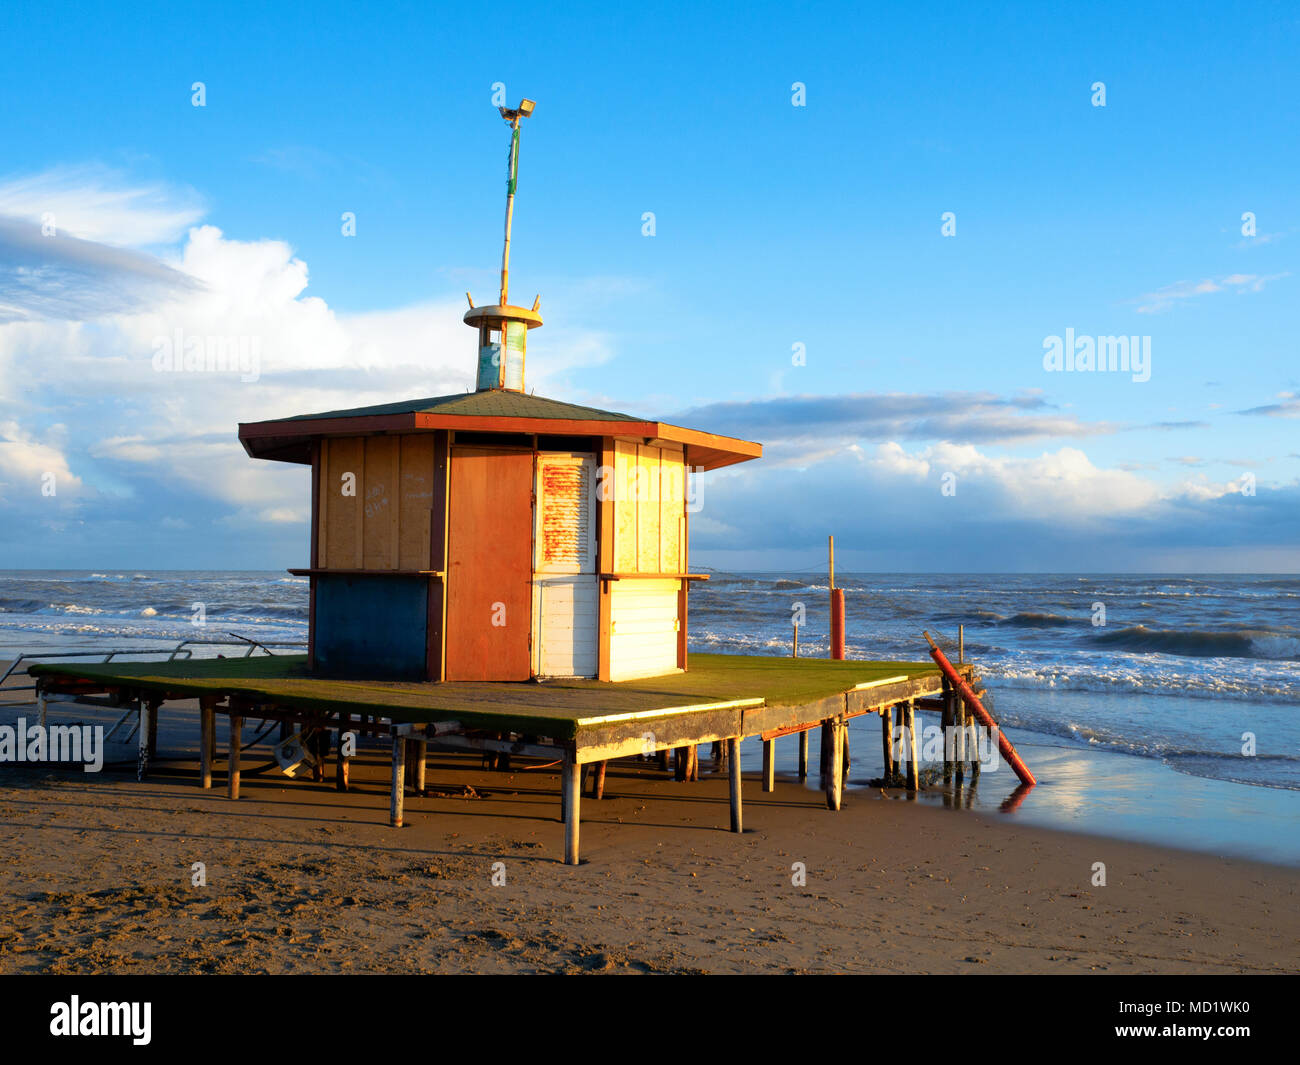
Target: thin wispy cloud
{"type": "Point", "coordinates": [1287, 406]}
{"type": "Point", "coordinates": [960, 417]}
{"type": "Point", "coordinates": [99, 204]}
{"type": "Point", "coordinates": [58, 276]}
{"type": "Point", "coordinates": [1182, 291]}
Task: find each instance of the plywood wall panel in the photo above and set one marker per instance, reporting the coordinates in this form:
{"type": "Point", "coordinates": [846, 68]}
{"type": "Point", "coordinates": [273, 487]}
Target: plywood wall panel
{"type": "Point", "coordinates": [386, 525]}
{"type": "Point", "coordinates": [625, 509]}
{"type": "Point", "coordinates": [416, 501]}
{"type": "Point", "coordinates": [647, 510]}
{"type": "Point", "coordinates": [341, 547]}
{"type": "Point", "coordinates": [378, 492]}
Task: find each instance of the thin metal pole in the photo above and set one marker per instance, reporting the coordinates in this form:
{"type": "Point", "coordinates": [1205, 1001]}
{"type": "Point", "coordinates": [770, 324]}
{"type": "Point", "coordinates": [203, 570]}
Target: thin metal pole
{"type": "Point", "coordinates": [832, 554]}
{"type": "Point", "coordinates": [510, 208]}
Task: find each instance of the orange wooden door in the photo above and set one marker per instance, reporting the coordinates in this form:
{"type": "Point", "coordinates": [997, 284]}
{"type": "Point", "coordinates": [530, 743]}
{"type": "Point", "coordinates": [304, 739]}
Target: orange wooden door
{"type": "Point", "coordinates": [489, 569]}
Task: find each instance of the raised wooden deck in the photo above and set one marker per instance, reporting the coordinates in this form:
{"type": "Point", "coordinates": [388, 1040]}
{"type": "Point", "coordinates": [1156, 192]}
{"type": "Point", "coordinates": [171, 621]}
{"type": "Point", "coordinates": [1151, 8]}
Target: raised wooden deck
{"type": "Point", "coordinates": [721, 698]}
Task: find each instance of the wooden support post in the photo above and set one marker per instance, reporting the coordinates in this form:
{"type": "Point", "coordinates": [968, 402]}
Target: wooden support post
{"type": "Point", "coordinates": [835, 763]}
{"type": "Point", "coordinates": [411, 761]}
{"type": "Point", "coordinates": [207, 727]}
{"type": "Point", "coordinates": [142, 739]}
{"type": "Point", "coordinates": [232, 755]}
{"type": "Point", "coordinates": [847, 760]}
{"type": "Point", "coordinates": [40, 707]}
{"type": "Point", "coordinates": [825, 753]}
{"type": "Point", "coordinates": [397, 798]}
{"type": "Point", "coordinates": [913, 770]}
{"type": "Point", "coordinates": [679, 763]}
{"type": "Point", "coordinates": [154, 706]}
{"type": "Point", "coordinates": [948, 722]}
{"type": "Point", "coordinates": [972, 742]}
{"type": "Point", "coordinates": [803, 755]}
{"type": "Point", "coordinates": [598, 781]}
{"type": "Point", "coordinates": [887, 743]}
{"type": "Point", "coordinates": [318, 745]}
{"type": "Point", "coordinates": [769, 766]}
{"type": "Point", "coordinates": [733, 773]}
{"type": "Point", "coordinates": [572, 787]}
{"type": "Point", "coordinates": [960, 753]}
{"type": "Point", "coordinates": [342, 767]}
{"type": "Point", "coordinates": [662, 758]}
{"type": "Point", "coordinates": [421, 750]}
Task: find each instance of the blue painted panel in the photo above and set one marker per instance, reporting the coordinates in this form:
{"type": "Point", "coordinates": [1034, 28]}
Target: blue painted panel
{"type": "Point", "coordinates": [371, 627]}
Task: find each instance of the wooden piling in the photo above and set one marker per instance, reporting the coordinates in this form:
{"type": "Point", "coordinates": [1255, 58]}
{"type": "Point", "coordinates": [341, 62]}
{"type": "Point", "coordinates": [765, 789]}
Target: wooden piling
{"type": "Point", "coordinates": [207, 726]}
{"type": "Point", "coordinates": [769, 766]}
{"type": "Point", "coordinates": [960, 715]}
{"type": "Point", "coordinates": [887, 743]}
{"type": "Point", "coordinates": [343, 764]}
{"type": "Point", "coordinates": [397, 797]}
{"type": "Point", "coordinates": [421, 751]}
{"type": "Point", "coordinates": [318, 745]}
{"type": "Point", "coordinates": [913, 770]}
{"type": "Point", "coordinates": [948, 721]}
{"type": "Point", "coordinates": [803, 755]}
{"type": "Point", "coordinates": [835, 763]}
{"type": "Point", "coordinates": [154, 706]}
{"type": "Point", "coordinates": [679, 764]}
{"type": "Point", "coordinates": [733, 774]}
{"type": "Point", "coordinates": [847, 760]}
{"type": "Point", "coordinates": [572, 788]}
{"type": "Point", "coordinates": [598, 781]}
{"type": "Point", "coordinates": [142, 739]}
{"type": "Point", "coordinates": [232, 756]}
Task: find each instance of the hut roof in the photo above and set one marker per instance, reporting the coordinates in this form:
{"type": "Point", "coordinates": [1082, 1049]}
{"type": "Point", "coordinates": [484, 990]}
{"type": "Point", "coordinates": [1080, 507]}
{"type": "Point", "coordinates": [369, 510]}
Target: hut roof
{"type": "Point", "coordinates": [494, 410]}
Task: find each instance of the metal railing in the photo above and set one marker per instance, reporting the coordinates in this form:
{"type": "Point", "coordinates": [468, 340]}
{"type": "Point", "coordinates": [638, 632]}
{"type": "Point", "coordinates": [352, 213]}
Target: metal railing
{"type": "Point", "coordinates": [184, 650]}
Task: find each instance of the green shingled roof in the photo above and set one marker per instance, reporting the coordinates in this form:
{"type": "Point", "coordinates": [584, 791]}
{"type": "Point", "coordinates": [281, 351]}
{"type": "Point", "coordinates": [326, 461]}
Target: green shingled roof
{"type": "Point", "coordinates": [494, 403]}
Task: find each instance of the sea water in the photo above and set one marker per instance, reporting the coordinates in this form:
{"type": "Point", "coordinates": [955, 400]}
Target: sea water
{"type": "Point", "coordinates": [1159, 707]}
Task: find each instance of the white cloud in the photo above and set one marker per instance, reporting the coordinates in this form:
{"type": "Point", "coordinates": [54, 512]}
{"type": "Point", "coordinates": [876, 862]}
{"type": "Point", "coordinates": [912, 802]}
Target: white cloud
{"type": "Point", "coordinates": [177, 430]}
{"type": "Point", "coordinates": [102, 205]}
{"type": "Point", "coordinates": [26, 462]}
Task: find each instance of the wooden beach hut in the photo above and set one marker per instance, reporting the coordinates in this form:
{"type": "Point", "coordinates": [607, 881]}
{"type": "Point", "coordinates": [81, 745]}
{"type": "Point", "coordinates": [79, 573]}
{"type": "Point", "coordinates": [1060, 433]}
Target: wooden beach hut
{"type": "Point", "coordinates": [497, 535]}
{"type": "Point", "coordinates": [494, 537]}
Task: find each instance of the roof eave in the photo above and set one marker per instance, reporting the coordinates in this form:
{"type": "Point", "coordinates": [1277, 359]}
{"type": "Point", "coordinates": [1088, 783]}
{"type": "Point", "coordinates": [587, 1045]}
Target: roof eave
{"type": "Point", "coordinates": [290, 440]}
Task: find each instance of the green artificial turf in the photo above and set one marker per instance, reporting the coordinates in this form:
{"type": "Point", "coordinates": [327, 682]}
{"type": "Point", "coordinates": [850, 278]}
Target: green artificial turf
{"type": "Point", "coordinates": [560, 706]}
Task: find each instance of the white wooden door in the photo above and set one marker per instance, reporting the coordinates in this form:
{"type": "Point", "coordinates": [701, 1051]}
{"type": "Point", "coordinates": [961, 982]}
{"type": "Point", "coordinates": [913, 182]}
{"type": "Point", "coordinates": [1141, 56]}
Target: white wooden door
{"type": "Point", "coordinates": [566, 606]}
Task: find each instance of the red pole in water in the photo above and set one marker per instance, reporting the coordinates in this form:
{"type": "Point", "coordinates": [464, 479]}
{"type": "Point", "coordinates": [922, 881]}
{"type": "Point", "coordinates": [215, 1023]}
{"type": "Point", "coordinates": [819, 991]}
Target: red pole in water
{"type": "Point", "coordinates": [837, 609]}
{"type": "Point", "coordinates": [977, 707]}
{"type": "Point", "coordinates": [837, 623]}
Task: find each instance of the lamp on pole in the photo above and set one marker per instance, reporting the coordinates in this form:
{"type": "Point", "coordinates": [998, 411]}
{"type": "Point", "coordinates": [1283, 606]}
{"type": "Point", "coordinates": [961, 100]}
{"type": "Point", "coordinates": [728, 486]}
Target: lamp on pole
{"type": "Point", "coordinates": [512, 115]}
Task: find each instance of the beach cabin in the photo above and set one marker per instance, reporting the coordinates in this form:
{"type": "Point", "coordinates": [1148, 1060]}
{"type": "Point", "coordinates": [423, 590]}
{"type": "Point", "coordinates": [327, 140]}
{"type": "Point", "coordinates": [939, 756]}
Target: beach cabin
{"type": "Point", "coordinates": [496, 535]}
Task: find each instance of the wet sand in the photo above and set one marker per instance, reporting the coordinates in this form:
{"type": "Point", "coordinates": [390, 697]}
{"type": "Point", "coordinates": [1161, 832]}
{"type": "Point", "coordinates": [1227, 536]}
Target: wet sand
{"type": "Point", "coordinates": [302, 878]}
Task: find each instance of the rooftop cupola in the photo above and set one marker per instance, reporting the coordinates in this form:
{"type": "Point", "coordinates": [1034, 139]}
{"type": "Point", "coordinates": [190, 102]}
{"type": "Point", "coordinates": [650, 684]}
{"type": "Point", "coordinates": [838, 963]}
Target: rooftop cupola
{"type": "Point", "coordinates": [502, 328]}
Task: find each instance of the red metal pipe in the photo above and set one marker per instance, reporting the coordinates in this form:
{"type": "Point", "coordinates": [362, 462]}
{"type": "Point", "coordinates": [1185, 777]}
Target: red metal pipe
{"type": "Point", "coordinates": [837, 623]}
{"type": "Point", "coordinates": [972, 700]}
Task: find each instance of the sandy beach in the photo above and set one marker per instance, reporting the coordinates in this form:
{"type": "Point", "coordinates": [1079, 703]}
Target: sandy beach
{"type": "Point", "coordinates": [302, 878]}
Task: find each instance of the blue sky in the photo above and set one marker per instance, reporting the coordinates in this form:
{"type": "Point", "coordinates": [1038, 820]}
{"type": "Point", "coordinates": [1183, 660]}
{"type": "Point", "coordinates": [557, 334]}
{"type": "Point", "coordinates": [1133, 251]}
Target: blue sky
{"type": "Point", "coordinates": [775, 225]}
